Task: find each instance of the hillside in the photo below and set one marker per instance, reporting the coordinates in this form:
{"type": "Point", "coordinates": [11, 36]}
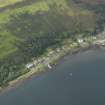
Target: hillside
{"type": "Point", "coordinates": [28, 28]}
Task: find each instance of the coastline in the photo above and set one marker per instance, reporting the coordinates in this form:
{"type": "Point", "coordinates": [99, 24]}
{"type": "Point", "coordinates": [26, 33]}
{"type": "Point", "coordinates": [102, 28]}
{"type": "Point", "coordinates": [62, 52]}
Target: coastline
{"type": "Point", "coordinates": [41, 68]}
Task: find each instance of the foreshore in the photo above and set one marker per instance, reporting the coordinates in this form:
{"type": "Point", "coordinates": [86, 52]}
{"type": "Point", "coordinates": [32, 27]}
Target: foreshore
{"type": "Point", "coordinates": [52, 58]}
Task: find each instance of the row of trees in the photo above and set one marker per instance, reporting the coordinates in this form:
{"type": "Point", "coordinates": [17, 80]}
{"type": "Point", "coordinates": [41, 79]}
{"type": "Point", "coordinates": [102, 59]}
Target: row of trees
{"type": "Point", "coordinates": [100, 12]}
{"type": "Point", "coordinates": [97, 7]}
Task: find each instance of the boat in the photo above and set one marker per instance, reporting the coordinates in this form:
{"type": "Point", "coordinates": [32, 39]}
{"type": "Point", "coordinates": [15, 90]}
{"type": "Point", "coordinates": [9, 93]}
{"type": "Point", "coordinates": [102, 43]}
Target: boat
{"type": "Point", "coordinates": [70, 74]}
{"type": "Point", "coordinates": [49, 66]}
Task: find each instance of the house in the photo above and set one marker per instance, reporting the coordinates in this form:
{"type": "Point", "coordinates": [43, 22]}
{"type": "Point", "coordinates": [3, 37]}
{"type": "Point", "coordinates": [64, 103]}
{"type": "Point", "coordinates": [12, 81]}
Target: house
{"type": "Point", "coordinates": [94, 38]}
{"type": "Point", "coordinates": [58, 49]}
{"type": "Point", "coordinates": [80, 40]}
{"type": "Point", "coordinates": [29, 66]}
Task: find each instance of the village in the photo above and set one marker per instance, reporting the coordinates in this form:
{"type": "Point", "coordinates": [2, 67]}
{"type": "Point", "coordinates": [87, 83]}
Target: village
{"type": "Point", "coordinates": [50, 58]}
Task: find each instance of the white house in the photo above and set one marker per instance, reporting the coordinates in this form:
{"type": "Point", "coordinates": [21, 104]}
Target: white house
{"type": "Point", "coordinates": [80, 40]}
{"type": "Point", "coordinates": [28, 66]}
{"type": "Point", "coordinates": [94, 38]}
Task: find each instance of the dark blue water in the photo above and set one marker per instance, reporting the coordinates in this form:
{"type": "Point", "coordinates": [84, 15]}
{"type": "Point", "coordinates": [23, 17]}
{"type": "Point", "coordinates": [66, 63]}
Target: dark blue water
{"type": "Point", "coordinates": [76, 80]}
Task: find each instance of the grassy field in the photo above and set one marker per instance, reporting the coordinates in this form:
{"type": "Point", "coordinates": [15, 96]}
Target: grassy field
{"type": "Point", "coordinates": [8, 2]}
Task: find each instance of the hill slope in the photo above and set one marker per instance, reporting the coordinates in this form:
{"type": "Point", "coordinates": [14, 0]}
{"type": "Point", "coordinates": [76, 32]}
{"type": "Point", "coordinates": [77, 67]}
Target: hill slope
{"type": "Point", "coordinates": [28, 28]}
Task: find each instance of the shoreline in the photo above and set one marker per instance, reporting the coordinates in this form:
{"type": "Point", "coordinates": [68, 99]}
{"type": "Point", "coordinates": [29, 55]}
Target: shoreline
{"type": "Point", "coordinates": [41, 68]}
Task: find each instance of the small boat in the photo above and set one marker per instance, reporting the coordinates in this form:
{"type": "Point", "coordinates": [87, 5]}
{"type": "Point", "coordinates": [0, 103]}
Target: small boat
{"type": "Point", "coordinates": [49, 66]}
{"type": "Point", "coordinates": [70, 74]}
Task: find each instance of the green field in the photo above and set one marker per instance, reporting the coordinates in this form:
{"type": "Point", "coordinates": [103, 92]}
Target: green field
{"type": "Point", "coordinates": [8, 2]}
